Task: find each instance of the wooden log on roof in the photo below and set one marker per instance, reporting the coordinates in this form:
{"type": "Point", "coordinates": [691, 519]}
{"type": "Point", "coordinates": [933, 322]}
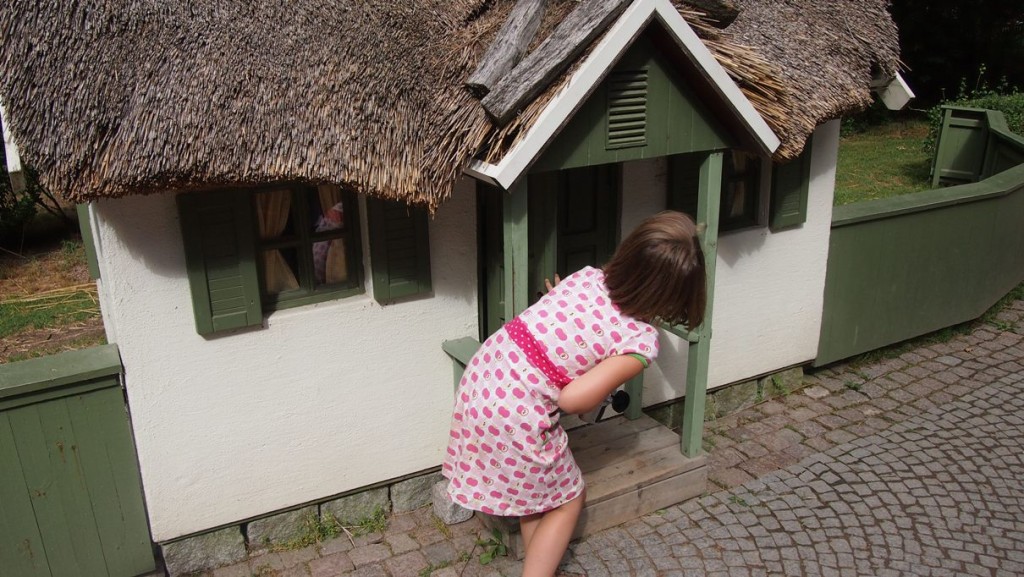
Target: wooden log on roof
{"type": "Point", "coordinates": [508, 47]}
{"type": "Point", "coordinates": [544, 64]}
{"type": "Point", "coordinates": [721, 12]}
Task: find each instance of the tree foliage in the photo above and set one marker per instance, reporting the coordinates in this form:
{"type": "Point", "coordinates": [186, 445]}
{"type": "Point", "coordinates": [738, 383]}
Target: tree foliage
{"type": "Point", "coordinates": [944, 42]}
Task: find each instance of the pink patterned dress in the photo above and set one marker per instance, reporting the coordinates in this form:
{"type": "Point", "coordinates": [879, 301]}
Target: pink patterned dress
{"type": "Point", "coordinates": [507, 455]}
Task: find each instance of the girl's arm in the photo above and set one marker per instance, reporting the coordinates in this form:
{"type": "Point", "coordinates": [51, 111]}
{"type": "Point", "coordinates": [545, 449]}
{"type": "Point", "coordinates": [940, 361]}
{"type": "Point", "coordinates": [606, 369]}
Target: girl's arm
{"type": "Point", "coordinates": [588, 391]}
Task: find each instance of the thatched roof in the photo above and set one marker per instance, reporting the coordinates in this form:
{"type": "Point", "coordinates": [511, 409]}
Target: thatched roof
{"type": "Point", "coordinates": [125, 97]}
{"type": "Point", "coordinates": [826, 54]}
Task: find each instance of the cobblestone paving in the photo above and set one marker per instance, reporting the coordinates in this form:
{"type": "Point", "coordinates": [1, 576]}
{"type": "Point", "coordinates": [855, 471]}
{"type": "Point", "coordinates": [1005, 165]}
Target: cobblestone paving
{"type": "Point", "coordinates": [904, 466]}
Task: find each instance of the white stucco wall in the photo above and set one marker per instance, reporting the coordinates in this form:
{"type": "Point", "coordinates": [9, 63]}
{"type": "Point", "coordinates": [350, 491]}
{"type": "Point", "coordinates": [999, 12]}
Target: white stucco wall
{"type": "Point", "coordinates": [331, 397]}
{"type": "Point", "coordinates": [770, 287]}
{"type": "Point", "coordinates": [323, 399]}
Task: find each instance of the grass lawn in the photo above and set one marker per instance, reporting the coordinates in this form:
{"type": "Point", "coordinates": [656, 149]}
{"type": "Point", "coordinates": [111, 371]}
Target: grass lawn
{"type": "Point", "coordinates": [48, 304]}
{"type": "Point", "coordinates": [883, 161]}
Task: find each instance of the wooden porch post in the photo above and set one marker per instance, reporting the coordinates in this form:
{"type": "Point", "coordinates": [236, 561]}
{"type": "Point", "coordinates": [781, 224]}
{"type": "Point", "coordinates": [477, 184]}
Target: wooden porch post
{"type": "Point", "coordinates": [709, 188]}
{"type": "Point", "coordinates": [516, 241]}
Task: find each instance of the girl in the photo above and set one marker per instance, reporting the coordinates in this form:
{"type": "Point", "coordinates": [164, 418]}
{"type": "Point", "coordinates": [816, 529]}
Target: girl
{"type": "Point", "coordinates": [569, 351]}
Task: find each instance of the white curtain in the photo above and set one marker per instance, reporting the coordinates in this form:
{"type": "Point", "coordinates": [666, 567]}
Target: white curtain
{"type": "Point", "coordinates": [272, 210]}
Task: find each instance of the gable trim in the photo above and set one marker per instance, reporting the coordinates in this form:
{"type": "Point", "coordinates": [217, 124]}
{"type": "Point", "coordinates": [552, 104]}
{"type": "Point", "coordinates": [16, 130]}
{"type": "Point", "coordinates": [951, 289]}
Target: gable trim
{"type": "Point", "coordinates": [596, 66]}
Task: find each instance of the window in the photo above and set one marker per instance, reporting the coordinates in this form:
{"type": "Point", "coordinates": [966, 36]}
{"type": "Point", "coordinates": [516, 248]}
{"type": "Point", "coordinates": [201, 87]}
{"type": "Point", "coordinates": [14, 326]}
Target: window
{"type": "Point", "coordinates": [252, 251]}
{"type": "Point", "coordinates": [307, 244]}
{"type": "Point", "coordinates": [741, 191]}
{"type": "Point", "coordinates": [743, 197]}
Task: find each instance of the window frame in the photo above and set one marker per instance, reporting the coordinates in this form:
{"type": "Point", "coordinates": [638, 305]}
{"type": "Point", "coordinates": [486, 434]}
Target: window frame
{"type": "Point", "coordinates": [302, 240]}
{"type": "Point", "coordinates": [755, 213]}
{"type": "Point", "coordinates": [681, 189]}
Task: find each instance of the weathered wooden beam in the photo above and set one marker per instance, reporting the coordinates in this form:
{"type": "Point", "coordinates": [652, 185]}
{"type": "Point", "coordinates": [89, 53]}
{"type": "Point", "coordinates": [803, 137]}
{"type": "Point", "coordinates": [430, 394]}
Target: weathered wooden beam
{"type": "Point", "coordinates": [508, 47]}
{"type": "Point", "coordinates": [544, 64]}
{"type": "Point", "coordinates": [721, 12]}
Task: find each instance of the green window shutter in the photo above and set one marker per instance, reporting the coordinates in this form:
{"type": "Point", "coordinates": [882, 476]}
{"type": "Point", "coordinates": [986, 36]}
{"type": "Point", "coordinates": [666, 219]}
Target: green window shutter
{"type": "Point", "coordinates": [217, 228]}
{"type": "Point", "coordinates": [399, 250]}
{"type": "Point", "coordinates": [88, 240]}
{"type": "Point", "coordinates": [790, 184]}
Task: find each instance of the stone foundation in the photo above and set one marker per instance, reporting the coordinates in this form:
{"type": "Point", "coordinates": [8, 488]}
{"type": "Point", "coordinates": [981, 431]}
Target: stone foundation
{"type": "Point", "coordinates": [283, 529]}
{"type": "Point", "coordinates": [733, 398]}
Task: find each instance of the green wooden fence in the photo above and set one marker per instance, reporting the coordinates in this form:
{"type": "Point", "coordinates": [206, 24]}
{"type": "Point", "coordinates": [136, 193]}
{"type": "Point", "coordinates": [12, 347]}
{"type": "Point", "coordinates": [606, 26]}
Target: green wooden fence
{"type": "Point", "coordinates": [70, 499]}
{"type": "Point", "coordinates": [905, 266]}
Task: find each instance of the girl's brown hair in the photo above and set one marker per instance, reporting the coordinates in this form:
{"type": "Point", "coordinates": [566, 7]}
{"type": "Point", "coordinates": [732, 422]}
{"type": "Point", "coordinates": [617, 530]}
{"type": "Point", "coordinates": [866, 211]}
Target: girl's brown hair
{"type": "Point", "coordinates": [657, 273]}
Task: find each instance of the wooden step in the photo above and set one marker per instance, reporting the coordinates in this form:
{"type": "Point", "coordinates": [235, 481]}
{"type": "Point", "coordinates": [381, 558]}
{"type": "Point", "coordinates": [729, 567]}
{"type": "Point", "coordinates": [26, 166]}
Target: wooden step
{"type": "Point", "coordinates": [631, 468]}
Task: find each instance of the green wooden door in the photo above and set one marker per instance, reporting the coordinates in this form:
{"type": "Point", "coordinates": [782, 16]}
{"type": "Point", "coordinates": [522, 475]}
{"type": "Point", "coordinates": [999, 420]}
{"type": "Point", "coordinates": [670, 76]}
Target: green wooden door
{"type": "Point", "coordinates": [70, 500]}
{"type": "Point", "coordinates": [572, 223]}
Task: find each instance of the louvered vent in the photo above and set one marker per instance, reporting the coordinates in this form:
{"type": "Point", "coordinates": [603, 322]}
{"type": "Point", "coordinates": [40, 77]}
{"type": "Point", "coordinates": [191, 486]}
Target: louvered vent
{"type": "Point", "coordinates": [627, 109]}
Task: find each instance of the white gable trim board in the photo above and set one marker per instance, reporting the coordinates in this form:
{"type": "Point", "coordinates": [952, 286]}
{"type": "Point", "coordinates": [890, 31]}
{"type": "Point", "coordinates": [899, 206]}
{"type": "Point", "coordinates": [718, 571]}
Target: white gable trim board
{"type": "Point", "coordinates": [595, 67]}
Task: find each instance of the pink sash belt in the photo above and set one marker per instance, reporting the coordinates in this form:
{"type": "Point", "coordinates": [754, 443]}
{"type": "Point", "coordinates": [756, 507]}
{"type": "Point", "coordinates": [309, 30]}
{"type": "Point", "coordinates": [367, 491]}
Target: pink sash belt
{"type": "Point", "coordinates": [535, 354]}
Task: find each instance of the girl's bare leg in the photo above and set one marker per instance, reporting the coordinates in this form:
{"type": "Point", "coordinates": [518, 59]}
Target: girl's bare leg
{"type": "Point", "coordinates": [527, 525]}
{"type": "Point", "coordinates": [550, 538]}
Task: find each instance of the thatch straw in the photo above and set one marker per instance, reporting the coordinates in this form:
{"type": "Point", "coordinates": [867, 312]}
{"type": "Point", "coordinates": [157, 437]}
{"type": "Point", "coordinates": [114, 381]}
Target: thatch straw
{"type": "Point", "coordinates": [826, 54]}
{"type": "Point", "coordinates": [133, 96]}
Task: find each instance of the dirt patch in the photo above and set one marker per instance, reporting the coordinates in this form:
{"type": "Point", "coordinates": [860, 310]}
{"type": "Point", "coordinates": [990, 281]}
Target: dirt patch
{"type": "Point", "coordinates": [43, 267]}
{"type": "Point", "coordinates": [41, 342]}
{"type": "Point", "coordinates": [48, 265]}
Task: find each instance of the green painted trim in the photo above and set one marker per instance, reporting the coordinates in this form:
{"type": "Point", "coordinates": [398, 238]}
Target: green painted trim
{"type": "Point", "coordinates": [88, 240]}
{"type": "Point", "coordinates": [673, 117]}
{"type": "Point", "coordinates": [905, 266]}
{"type": "Point", "coordinates": [998, 185]}
{"type": "Point", "coordinates": [699, 353]}
{"type": "Point", "coordinates": [461, 350]}
{"type": "Point", "coordinates": [544, 196]}
{"type": "Point", "coordinates": [635, 388]}
{"type": "Point", "coordinates": [76, 469]}
{"type": "Point", "coordinates": [491, 258]}
{"type": "Point", "coordinates": [399, 250]}
{"type": "Point", "coordinates": [316, 297]}
{"type": "Point", "coordinates": [222, 215]}
{"type": "Point", "coordinates": [973, 145]}
{"type": "Point", "coordinates": [791, 184]}
{"type": "Point", "coordinates": [515, 229]}
{"type": "Point", "coordinates": [43, 374]}
{"type": "Point", "coordinates": [681, 332]}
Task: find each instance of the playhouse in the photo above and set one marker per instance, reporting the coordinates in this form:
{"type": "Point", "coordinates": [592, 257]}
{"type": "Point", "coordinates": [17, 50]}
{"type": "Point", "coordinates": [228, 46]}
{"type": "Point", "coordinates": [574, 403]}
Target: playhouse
{"type": "Point", "coordinates": [295, 205]}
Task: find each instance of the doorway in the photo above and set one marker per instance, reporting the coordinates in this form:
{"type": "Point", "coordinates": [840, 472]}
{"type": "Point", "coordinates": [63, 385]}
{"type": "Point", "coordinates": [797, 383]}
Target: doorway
{"type": "Point", "coordinates": [573, 222]}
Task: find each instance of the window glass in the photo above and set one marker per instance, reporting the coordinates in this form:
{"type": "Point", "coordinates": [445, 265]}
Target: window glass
{"type": "Point", "coordinates": [280, 270]}
{"type": "Point", "coordinates": [740, 199]}
{"type": "Point", "coordinates": [274, 214]}
{"type": "Point", "coordinates": [307, 243]}
{"type": "Point", "coordinates": [330, 262]}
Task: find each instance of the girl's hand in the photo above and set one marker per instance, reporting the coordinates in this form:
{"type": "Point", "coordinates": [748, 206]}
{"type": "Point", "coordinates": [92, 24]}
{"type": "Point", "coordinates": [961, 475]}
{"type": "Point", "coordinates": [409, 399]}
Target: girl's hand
{"type": "Point", "coordinates": [549, 286]}
{"type": "Point", "coordinates": [593, 387]}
